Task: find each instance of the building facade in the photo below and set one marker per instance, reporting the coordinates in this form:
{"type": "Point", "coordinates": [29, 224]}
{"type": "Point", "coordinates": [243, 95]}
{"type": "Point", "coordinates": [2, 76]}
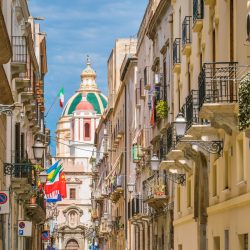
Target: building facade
{"type": "Point", "coordinates": [23, 66]}
{"type": "Point", "coordinates": [191, 66]}
{"type": "Point", "coordinates": [75, 150]}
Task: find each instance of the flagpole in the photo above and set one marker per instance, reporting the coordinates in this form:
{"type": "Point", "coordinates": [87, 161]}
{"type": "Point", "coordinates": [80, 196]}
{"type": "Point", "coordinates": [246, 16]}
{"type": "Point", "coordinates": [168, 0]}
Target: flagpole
{"type": "Point", "coordinates": [51, 106]}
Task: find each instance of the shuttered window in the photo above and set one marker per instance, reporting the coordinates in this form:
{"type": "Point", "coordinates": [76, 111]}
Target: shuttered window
{"type": "Point", "coordinates": [17, 143]}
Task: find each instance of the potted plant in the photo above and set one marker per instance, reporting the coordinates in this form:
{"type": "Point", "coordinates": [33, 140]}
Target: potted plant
{"type": "Point", "coordinates": [244, 105]}
{"type": "Point", "coordinates": [162, 109]}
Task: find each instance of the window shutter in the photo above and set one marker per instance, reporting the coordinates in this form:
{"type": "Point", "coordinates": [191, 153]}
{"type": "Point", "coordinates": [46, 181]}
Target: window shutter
{"type": "Point", "coordinates": [17, 143]}
{"type": "Point", "coordinates": [22, 146]}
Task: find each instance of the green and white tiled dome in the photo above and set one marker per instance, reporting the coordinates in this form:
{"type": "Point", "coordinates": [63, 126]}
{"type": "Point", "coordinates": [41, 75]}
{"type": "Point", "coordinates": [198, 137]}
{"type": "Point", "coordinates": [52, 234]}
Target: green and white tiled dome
{"type": "Point", "coordinates": [96, 99]}
{"type": "Point", "coordinates": [89, 88]}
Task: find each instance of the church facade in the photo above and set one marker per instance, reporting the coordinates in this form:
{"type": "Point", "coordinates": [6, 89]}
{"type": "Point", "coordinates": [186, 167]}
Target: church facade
{"type": "Point", "coordinates": [75, 146]}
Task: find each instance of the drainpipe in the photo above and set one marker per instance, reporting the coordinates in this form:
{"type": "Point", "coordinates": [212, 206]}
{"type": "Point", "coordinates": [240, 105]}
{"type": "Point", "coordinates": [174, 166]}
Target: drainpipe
{"type": "Point", "coordinates": [126, 192]}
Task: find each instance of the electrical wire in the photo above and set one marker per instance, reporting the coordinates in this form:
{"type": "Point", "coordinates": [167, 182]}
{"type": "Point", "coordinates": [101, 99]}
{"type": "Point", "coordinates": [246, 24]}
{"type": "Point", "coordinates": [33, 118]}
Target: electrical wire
{"type": "Point", "coordinates": [83, 149]}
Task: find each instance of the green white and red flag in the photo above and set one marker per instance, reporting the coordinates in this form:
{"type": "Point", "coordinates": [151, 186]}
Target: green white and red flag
{"type": "Point", "coordinates": [61, 97]}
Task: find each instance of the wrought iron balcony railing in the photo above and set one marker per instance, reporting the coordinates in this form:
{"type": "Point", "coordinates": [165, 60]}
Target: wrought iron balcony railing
{"type": "Point", "coordinates": [192, 109]}
{"type": "Point", "coordinates": [171, 139]}
{"type": "Point", "coordinates": [138, 209]}
{"type": "Point", "coordinates": [186, 30]}
{"type": "Point", "coordinates": [117, 183]}
{"type": "Point", "coordinates": [177, 51]}
{"type": "Point", "coordinates": [198, 10]}
{"type": "Point", "coordinates": [20, 171]}
{"type": "Point", "coordinates": [155, 188]}
{"type": "Point", "coordinates": [219, 82]}
{"type": "Point", "coordinates": [163, 146]}
{"type": "Point", "coordinates": [19, 48]}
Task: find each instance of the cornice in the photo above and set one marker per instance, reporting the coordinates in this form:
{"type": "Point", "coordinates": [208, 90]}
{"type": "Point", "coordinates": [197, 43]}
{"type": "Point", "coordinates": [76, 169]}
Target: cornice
{"type": "Point", "coordinates": [157, 16]}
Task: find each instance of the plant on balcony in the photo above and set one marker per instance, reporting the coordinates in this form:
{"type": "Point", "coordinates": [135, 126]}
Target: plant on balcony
{"type": "Point", "coordinates": [244, 103]}
{"type": "Point", "coordinates": [162, 109]}
{"type": "Point", "coordinates": [159, 189]}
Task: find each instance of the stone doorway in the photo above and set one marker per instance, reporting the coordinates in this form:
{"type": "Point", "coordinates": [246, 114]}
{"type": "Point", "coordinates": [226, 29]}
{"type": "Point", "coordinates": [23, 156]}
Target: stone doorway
{"type": "Point", "coordinates": [72, 245]}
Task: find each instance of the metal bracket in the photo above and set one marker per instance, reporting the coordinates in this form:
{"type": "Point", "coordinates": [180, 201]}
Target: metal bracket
{"type": "Point", "coordinates": [213, 147]}
{"type": "Point", "coordinates": [177, 178]}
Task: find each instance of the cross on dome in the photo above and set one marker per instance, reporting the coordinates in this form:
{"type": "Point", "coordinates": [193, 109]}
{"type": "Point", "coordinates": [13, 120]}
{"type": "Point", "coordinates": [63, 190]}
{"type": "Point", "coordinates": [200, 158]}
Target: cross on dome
{"type": "Point", "coordinates": [88, 76]}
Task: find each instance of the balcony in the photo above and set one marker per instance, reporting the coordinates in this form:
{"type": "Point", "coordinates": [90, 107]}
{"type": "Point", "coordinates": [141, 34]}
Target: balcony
{"type": "Point", "coordinates": [218, 92]}
{"type": "Point", "coordinates": [36, 208]}
{"type": "Point", "coordinates": [194, 122]}
{"type": "Point", "coordinates": [19, 55]}
{"type": "Point", "coordinates": [22, 176]}
{"type": "Point", "coordinates": [177, 55]}
{"type": "Point", "coordinates": [138, 210]}
{"type": "Point", "coordinates": [155, 191]}
{"type": "Point", "coordinates": [116, 188]}
{"type": "Point", "coordinates": [198, 15]}
{"type": "Point", "coordinates": [186, 36]}
{"type": "Point", "coordinates": [170, 138]}
{"type": "Point", "coordinates": [22, 82]}
{"type": "Point", "coordinates": [27, 95]}
{"type": "Point", "coordinates": [117, 224]}
{"type": "Point", "coordinates": [97, 196]}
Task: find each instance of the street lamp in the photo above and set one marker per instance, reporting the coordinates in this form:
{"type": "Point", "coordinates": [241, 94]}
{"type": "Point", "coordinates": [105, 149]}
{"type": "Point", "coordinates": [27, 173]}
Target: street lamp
{"type": "Point", "coordinates": [213, 147]}
{"type": "Point", "coordinates": [155, 162]}
{"type": "Point", "coordinates": [180, 125]}
{"type": "Point", "coordinates": [43, 177]}
{"type": "Point", "coordinates": [38, 149]}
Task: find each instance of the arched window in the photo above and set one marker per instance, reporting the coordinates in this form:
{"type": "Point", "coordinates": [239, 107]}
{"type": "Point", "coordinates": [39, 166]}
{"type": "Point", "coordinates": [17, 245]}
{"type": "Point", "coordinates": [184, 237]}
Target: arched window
{"type": "Point", "coordinates": [87, 130]}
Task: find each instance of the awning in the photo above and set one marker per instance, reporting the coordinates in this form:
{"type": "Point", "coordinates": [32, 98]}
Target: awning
{"type": "Point", "coordinates": [137, 134]}
{"type": "Point", "coordinates": [117, 166]}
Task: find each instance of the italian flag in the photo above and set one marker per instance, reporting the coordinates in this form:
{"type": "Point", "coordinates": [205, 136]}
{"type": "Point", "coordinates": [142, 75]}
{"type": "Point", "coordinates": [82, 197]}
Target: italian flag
{"type": "Point", "coordinates": [61, 96]}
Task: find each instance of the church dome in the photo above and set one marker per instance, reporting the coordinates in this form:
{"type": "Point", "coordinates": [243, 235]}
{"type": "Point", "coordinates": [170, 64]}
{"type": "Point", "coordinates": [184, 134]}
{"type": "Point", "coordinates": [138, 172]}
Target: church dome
{"type": "Point", "coordinates": [84, 105]}
{"type": "Point", "coordinates": [93, 98]}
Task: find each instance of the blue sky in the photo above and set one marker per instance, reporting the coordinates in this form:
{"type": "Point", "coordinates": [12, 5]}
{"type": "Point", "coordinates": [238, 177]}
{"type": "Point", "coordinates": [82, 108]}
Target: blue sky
{"type": "Point", "coordinates": [75, 29]}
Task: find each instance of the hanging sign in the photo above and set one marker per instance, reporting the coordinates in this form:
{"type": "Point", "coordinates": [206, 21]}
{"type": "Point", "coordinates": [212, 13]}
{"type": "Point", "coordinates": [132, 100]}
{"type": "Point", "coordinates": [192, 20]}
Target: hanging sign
{"type": "Point", "coordinates": [4, 202]}
{"type": "Point", "coordinates": [24, 228]}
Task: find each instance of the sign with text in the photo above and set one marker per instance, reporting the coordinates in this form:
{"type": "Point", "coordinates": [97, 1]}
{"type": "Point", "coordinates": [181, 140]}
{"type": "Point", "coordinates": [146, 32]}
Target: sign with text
{"type": "Point", "coordinates": [24, 228]}
{"type": "Point", "coordinates": [4, 202]}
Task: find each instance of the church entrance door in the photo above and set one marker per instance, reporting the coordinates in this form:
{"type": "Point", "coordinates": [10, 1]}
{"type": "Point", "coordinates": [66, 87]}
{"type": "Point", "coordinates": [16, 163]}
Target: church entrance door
{"type": "Point", "coordinates": [72, 245]}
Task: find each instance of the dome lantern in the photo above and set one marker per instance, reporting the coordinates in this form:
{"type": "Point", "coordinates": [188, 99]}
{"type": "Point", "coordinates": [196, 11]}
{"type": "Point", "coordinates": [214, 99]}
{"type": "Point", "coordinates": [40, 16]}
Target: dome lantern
{"type": "Point", "coordinates": [88, 77]}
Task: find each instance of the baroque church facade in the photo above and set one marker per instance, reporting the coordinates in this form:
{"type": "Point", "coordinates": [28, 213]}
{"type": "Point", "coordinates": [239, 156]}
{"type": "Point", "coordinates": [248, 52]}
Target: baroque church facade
{"type": "Point", "coordinates": [75, 145]}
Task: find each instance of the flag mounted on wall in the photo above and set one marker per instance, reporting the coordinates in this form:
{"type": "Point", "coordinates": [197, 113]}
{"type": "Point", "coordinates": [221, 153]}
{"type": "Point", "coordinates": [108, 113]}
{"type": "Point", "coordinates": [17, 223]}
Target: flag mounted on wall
{"type": "Point", "coordinates": [55, 187]}
{"type": "Point", "coordinates": [61, 97]}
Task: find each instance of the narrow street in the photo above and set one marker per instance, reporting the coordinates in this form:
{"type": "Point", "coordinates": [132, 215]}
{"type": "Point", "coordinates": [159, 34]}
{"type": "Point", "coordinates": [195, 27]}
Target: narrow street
{"type": "Point", "coordinates": [124, 125]}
